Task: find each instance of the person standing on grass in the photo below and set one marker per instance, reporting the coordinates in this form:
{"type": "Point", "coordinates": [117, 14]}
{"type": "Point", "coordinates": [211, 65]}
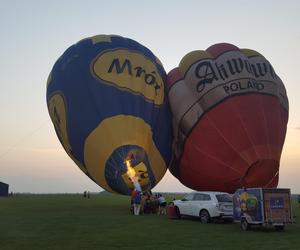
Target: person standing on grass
{"type": "Point", "coordinates": [147, 204]}
{"type": "Point", "coordinates": [162, 204]}
{"type": "Point", "coordinates": [133, 194]}
{"type": "Point", "coordinates": [137, 202]}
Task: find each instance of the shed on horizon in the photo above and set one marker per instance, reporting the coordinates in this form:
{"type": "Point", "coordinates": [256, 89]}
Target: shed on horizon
{"type": "Point", "coordinates": [3, 189]}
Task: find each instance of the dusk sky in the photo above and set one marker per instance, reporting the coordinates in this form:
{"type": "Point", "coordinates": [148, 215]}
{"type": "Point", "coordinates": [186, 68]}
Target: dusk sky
{"type": "Point", "coordinates": [35, 33]}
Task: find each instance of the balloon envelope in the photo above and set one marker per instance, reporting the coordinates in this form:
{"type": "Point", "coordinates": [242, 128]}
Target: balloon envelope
{"type": "Point", "coordinates": [106, 99]}
{"type": "Point", "coordinates": [230, 112]}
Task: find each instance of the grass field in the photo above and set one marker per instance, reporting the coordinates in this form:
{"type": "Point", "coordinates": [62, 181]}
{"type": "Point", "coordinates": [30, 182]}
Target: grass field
{"type": "Point", "coordinates": [104, 222]}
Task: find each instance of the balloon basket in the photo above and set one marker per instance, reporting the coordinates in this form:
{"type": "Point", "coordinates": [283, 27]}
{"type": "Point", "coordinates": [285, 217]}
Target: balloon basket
{"type": "Point", "coordinates": [171, 212]}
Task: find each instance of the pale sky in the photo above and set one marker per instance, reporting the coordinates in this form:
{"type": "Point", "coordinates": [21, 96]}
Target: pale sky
{"type": "Point", "coordinates": [35, 33]}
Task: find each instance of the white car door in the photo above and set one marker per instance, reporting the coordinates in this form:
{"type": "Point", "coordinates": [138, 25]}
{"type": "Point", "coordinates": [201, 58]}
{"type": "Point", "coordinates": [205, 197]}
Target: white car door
{"type": "Point", "coordinates": [196, 204]}
{"type": "Point", "coordinates": [200, 201]}
{"type": "Point", "coordinates": [185, 204]}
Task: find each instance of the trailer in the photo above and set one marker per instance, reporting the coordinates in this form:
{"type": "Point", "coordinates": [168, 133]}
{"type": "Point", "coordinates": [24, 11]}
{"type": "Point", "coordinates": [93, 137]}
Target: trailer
{"type": "Point", "coordinates": [262, 206]}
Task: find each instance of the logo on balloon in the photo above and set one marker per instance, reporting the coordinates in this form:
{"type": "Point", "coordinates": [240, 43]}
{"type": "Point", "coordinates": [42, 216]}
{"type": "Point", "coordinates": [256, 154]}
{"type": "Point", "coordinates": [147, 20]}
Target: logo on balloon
{"type": "Point", "coordinates": [130, 71]}
{"type": "Point", "coordinates": [209, 71]}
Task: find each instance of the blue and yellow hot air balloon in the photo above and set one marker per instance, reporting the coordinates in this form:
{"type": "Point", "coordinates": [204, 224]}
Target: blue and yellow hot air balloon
{"type": "Point", "coordinates": [106, 98]}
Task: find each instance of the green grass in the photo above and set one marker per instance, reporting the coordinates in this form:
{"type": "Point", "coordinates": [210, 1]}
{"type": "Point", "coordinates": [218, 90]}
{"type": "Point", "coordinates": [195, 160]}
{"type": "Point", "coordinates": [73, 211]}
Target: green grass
{"type": "Point", "coordinates": [104, 222]}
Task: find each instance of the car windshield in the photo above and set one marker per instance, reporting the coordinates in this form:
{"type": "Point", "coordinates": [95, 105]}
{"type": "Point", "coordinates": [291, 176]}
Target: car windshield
{"type": "Point", "coordinates": [223, 198]}
{"type": "Point", "coordinates": [188, 197]}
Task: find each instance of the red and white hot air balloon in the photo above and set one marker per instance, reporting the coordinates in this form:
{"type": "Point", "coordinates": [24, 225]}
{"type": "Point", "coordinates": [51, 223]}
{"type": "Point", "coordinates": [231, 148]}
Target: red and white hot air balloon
{"type": "Point", "coordinates": [230, 114]}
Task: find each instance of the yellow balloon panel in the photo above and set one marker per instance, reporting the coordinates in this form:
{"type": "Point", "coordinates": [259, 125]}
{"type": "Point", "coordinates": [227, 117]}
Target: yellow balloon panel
{"type": "Point", "coordinates": [113, 133]}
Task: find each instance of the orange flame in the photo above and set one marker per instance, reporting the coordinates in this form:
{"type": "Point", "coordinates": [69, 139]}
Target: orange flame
{"type": "Point", "coordinates": [130, 170]}
{"type": "Point", "coordinates": [132, 175]}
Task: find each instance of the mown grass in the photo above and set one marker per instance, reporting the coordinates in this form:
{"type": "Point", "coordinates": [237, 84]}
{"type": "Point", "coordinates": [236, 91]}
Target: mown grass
{"type": "Point", "coordinates": [104, 222]}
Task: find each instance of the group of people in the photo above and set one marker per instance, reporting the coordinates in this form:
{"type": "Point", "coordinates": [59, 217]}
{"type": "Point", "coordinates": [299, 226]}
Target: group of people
{"type": "Point", "coordinates": [147, 203]}
{"type": "Point", "coordinates": [86, 194]}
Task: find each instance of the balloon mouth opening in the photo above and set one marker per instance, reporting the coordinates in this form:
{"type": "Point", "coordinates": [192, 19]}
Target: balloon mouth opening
{"type": "Point", "coordinates": [128, 168]}
{"type": "Point", "coordinates": [262, 173]}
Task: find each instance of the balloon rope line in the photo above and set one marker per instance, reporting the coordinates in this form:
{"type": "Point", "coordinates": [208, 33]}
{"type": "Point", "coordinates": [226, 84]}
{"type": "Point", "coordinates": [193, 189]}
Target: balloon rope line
{"type": "Point", "coordinates": [113, 164]}
{"type": "Point", "coordinates": [23, 139]}
{"type": "Point", "coordinates": [242, 178]}
{"type": "Point", "coordinates": [225, 139]}
{"type": "Point", "coordinates": [272, 179]}
{"type": "Point", "coordinates": [243, 126]}
{"type": "Point", "coordinates": [265, 124]}
{"type": "Point", "coordinates": [281, 141]}
{"type": "Point", "coordinates": [214, 158]}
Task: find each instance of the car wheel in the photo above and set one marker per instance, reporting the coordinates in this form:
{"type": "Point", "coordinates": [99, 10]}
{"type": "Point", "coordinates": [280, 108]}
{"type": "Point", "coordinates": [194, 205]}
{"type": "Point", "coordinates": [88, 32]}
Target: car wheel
{"type": "Point", "coordinates": [178, 213]}
{"type": "Point", "coordinates": [204, 216]}
{"type": "Point", "coordinates": [245, 225]}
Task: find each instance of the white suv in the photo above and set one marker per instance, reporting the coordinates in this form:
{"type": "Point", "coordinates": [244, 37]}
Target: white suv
{"type": "Point", "coordinates": [206, 205]}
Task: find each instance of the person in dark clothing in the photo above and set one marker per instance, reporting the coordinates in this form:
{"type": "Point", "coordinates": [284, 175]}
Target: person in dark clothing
{"type": "Point", "coordinates": [147, 205]}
